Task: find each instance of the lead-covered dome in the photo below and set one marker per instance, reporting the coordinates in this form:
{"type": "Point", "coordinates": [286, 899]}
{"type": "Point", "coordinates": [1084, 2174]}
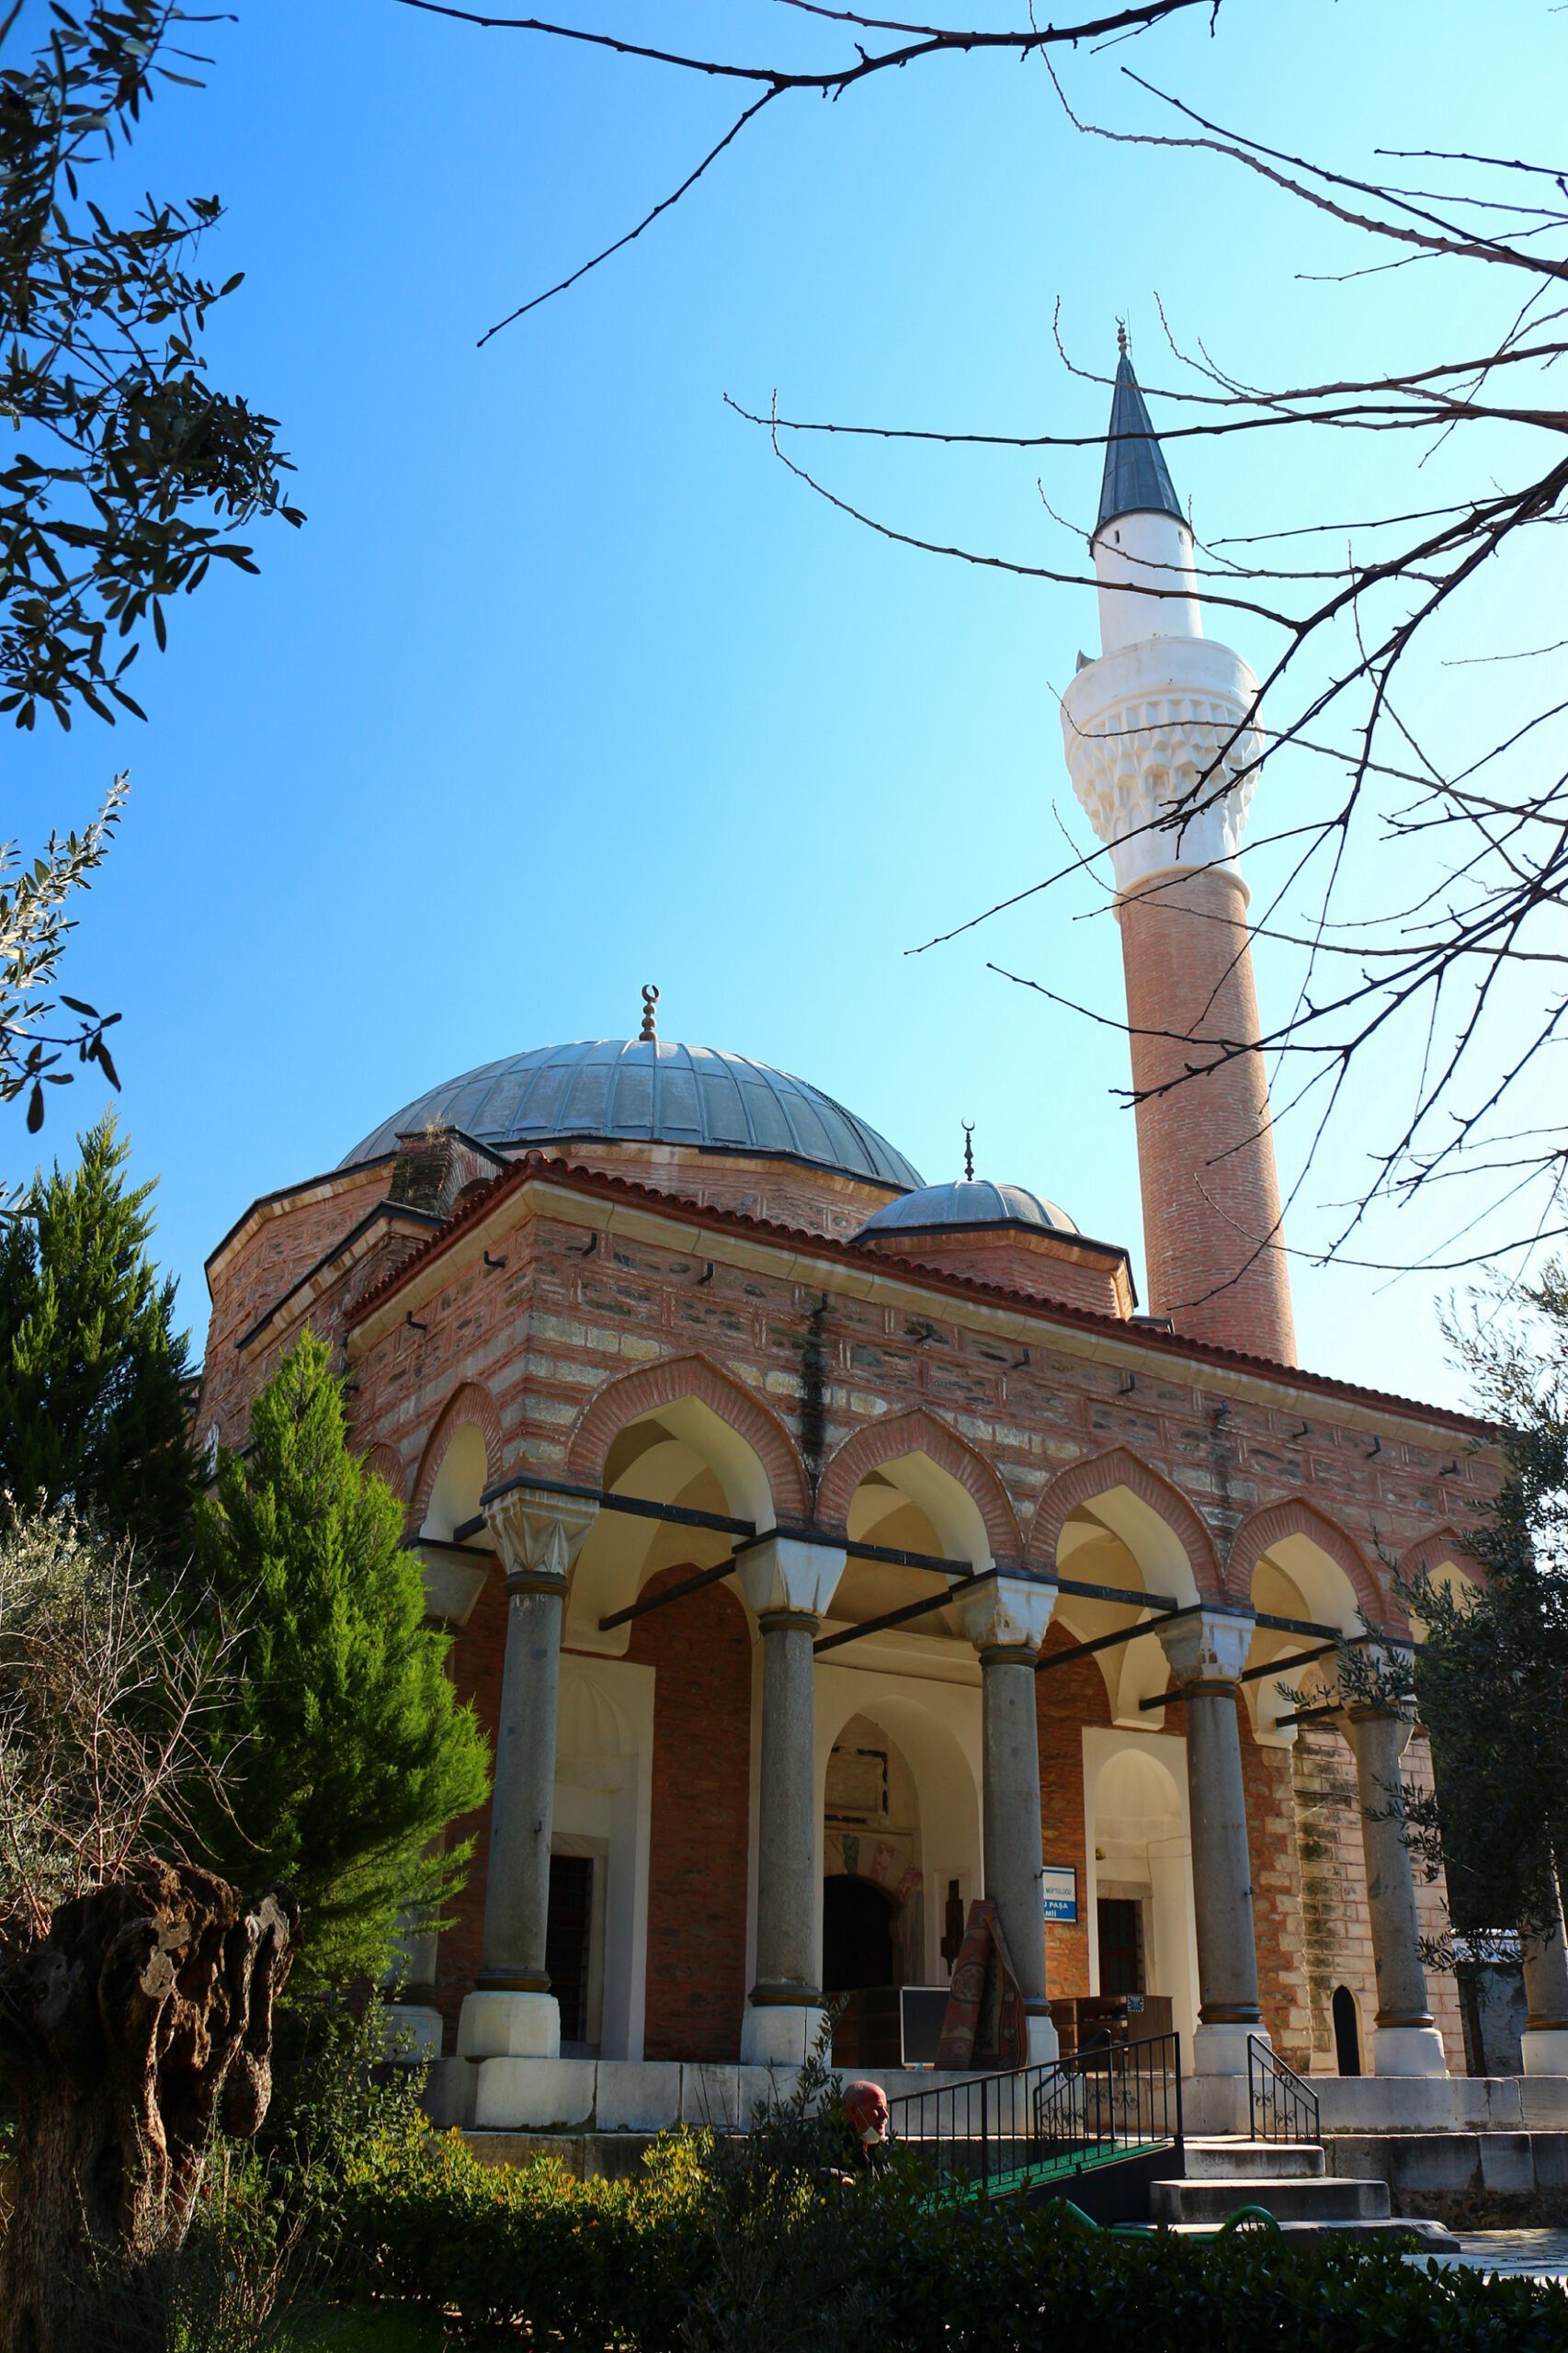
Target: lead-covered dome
{"type": "Point", "coordinates": [617, 1090]}
{"type": "Point", "coordinates": [968, 1202]}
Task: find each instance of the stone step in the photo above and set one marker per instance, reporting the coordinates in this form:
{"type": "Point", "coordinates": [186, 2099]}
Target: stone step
{"type": "Point", "coordinates": [1431, 2238]}
{"type": "Point", "coordinates": [1316, 2198]}
{"type": "Point", "coordinates": [1224, 2159]}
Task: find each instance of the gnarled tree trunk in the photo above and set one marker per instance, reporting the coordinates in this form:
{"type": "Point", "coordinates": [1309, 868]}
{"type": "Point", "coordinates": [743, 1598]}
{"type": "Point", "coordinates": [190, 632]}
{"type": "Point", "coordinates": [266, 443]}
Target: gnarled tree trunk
{"type": "Point", "coordinates": [143, 2019]}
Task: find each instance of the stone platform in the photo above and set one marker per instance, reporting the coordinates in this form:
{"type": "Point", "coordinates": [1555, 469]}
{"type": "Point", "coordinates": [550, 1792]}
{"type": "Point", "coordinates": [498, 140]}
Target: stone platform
{"type": "Point", "coordinates": [600, 2096]}
{"type": "Point", "coordinates": [1395, 2104]}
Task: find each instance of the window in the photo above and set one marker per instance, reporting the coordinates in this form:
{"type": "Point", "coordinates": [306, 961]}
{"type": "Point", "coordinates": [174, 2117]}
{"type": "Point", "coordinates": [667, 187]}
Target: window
{"type": "Point", "coordinates": [1120, 1920]}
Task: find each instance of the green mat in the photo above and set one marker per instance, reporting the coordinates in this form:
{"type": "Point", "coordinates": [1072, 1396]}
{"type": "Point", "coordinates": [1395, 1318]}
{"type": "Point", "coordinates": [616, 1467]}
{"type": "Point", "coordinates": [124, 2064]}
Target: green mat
{"type": "Point", "coordinates": [1033, 2176]}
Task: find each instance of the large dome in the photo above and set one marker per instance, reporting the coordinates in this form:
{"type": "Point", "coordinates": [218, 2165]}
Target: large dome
{"type": "Point", "coordinates": [971, 1201]}
{"type": "Point", "coordinates": [617, 1090]}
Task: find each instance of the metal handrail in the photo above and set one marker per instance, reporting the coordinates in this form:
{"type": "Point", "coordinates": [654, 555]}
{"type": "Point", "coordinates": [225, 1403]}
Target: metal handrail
{"type": "Point", "coordinates": [1116, 2100]}
{"type": "Point", "coordinates": [978, 2132]}
{"type": "Point", "coordinates": [1282, 2104]}
{"type": "Point", "coordinates": [992, 2132]}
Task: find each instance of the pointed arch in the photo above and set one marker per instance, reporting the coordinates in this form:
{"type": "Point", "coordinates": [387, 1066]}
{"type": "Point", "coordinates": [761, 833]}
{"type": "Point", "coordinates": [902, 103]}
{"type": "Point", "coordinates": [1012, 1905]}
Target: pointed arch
{"type": "Point", "coordinates": [669, 1382]}
{"type": "Point", "coordinates": [1275, 1523]}
{"type": "Point", "coordinates": [1118, 1469]}
{"type": "Point", "coordinates": [1447, 1559]}
{"type": "Point", "coordinates": [1430, 1553]}
{"type": "Point", "coordinates": [919, 1432]}
{"type": "Point", "coordinates": [385, 1464]}
{"type": "Point", "coordinates": [471, 1403]}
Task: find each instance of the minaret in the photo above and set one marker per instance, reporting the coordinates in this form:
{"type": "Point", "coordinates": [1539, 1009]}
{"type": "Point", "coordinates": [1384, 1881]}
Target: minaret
{"type": "Point", "coordinates": [1143, 726]}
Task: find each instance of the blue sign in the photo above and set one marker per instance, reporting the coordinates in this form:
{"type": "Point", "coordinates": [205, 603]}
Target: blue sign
{"type": "Point", "coordinates": [1059, 1890]}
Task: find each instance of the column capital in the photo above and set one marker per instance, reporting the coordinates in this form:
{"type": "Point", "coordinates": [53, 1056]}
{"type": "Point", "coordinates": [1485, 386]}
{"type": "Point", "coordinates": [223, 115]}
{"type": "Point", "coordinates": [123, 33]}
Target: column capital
{"type": "Point", "coordinates": [539, 1534]}
{"type": "Point", "coordinates": [1356, 1715]}
{"type": "Point", "coordinates": [790, 1576]}
{"type": "Point", "coordinates": [1209, 1645]}
{"type": "Point", "coordinates": [1008, 1613]}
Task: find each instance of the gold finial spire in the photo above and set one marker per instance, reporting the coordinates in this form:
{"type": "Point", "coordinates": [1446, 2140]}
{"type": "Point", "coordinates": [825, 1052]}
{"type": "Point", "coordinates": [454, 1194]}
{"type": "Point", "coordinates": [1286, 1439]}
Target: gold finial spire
{"type": "Point", "coordinates": [650, 1029]}
{"type": "Point", "coordinates": [1121, 337]}
{"type": "Point", "coordinates": [968, 1127]}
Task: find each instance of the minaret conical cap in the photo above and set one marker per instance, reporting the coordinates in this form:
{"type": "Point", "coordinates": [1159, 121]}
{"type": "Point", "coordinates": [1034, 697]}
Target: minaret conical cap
{"type": "Point", "coordinates": [1137, 479]}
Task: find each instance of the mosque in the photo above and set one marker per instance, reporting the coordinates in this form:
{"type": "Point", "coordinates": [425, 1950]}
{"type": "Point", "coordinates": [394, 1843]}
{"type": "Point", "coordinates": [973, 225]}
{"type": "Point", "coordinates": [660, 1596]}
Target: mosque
{"type": "Point", "coordinates": [824, 1549]}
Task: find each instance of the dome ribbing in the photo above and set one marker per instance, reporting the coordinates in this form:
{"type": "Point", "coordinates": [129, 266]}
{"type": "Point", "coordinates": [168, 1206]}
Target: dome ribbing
{"type": "Point", "coordinates": [616, 1090]}
{"type": "Point", "coordinates": [971, 1203]}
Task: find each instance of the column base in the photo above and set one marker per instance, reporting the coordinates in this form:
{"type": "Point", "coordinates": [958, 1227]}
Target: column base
{"type": "Point", "coordinates": [1222, 2049]}
{"type": "Point", "coordinates": [1544, 2050]}
{"type": "Point", "coordinates": [779, 2034]}
{"type": "Point", "coordinates": [1408, 2051]}
{"type": "Point", "coordinates": [1044, 2047]}
{"type": "Point", "coordinates": [509, 2025]}
{"type": "Point", "coordinates": [413, 2030]}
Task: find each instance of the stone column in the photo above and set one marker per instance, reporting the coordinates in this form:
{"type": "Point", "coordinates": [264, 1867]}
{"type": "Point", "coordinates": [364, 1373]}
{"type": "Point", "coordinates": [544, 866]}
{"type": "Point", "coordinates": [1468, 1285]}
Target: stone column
{"type": "Point", "coordinates": [1005, 1620]}
{"type": "Point", "coordinates": [1207, 1653]}
{"type": "Point", "coordinates": [1544, 2043]}
{"type": "Point", "coordinates": [1405, 2042]}
{"type": "Point", "coordinates": [512, 2011]}
{"type": "Point", "coordinates": [789, 1584]}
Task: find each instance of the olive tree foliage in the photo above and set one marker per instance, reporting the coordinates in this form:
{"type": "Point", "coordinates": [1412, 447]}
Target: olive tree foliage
{"type": "Point", "coordinates": [1423, 878]}
{"type": "Point", "coordinates": [105, 1698]}
{"type": "Point", "coordinates": [127, 468]}
{"type": "Point", "coordinates": [40, 1028]}
{"type": "Point", "coordinates": [125, 472]}
{"type": "Point", "coordinates": [1490, 1678]}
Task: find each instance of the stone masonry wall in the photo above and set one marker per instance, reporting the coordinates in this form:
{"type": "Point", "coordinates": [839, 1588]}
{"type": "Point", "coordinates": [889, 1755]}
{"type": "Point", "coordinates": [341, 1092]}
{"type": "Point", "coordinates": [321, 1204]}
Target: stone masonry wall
{"type": "Point", "coordinates": [1276, 1894]}
{"type": "Point", "coordinates": [563, 1309]}
{"type": "Point", "coordinates": [552, 1327]}
{"type": "Point", "coordinates": [1336, 1922]}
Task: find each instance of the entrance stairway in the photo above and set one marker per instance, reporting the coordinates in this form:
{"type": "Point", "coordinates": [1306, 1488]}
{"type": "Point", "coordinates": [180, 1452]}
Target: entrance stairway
{"type": "Point", "coordinates": [1286, 2180]}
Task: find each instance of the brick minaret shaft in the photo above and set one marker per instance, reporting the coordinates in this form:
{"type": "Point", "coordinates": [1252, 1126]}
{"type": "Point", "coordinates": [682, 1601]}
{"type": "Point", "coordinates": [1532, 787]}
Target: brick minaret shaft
{"type": "Point", "coordinates": [1162, 747]}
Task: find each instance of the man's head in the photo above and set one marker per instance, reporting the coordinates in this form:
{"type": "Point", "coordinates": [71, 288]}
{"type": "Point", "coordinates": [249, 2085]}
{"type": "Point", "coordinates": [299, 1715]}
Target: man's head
{"type": "Point", "coordinates": [866, 2106]}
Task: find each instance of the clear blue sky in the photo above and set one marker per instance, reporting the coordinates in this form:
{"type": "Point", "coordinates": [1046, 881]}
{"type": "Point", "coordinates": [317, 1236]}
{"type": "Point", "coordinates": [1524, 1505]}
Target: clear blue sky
{"type": "Point", "coordinates": [566, 686]}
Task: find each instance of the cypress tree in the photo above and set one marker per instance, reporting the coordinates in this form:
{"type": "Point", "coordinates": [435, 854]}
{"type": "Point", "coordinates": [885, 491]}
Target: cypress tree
{"type": "Point", "coordinates": [93, 1374]}
{"type": "Point", "coordinates": [350, 1752]}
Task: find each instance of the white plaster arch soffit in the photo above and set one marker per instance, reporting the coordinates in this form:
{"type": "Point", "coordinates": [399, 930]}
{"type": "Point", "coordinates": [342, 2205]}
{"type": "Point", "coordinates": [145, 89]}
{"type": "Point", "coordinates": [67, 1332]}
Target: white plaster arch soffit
{"type": "Point", "coordinates": [1295, 1577]}
{"type": "Point", "coordinates": [594, 1744]}
{"type": "Point", "coordinates": [1134, 1791]}
{"type": "Point", "coordinates": [1441, 1564]}
{"type": "Point", "coordinates": [946, 1775]}
{"type": "Point", "coordinates": [681, 1453]}
{"type": "Point", "coordinates": [954, 1517]}
{"type": "Point", "coordinates": [1149, 1554]}
{"type": "Point", "coordinates": [461, 1479]}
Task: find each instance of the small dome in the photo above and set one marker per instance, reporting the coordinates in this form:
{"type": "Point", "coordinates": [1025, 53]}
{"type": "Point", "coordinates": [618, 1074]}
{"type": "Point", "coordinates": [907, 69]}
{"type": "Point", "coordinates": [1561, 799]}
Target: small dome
{"type": "Point", "coordinates": [620, 1090]}
{"type": "Point", "coordinates": [968, 1202]}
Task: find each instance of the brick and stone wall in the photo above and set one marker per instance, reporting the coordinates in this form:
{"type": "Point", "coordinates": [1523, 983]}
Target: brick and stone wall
{"type": "Point", "coordinates": [700, 1653]}
{"type": "Point", "coordinates": [1276, 1912]}
{"type": "Point", "coordinates": [538, 1314]}
{"type": "Point", "coordinates": [1336, 1933]}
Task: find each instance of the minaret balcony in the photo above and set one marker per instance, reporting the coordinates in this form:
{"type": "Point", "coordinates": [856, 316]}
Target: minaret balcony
{"type": "Point", "coordinates": [1143, 729]}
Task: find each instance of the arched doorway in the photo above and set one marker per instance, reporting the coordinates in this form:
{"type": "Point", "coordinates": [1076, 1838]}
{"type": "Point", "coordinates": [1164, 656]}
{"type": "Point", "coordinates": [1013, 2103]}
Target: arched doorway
{"type": "Point", "coordinates": [1140, 1874]}
{"type": "Point", "coordinates": [1346, 2032]}
{"type": "Point", "coordinates": [857, 1936]}
{"type": "Point", "coordinates": [873, 1931]}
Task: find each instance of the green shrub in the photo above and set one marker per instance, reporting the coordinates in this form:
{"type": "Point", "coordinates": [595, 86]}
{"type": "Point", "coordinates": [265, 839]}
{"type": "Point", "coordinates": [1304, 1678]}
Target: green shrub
{"type": "Point", "coordinates": [687, 2257]}
{"type": "Point", "coordinates": [587, 2264]}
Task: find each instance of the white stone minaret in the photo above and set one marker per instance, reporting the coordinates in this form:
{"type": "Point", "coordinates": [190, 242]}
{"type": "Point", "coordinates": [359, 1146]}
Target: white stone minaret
{"type": "Point", "coordinates": [1162, 750]}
